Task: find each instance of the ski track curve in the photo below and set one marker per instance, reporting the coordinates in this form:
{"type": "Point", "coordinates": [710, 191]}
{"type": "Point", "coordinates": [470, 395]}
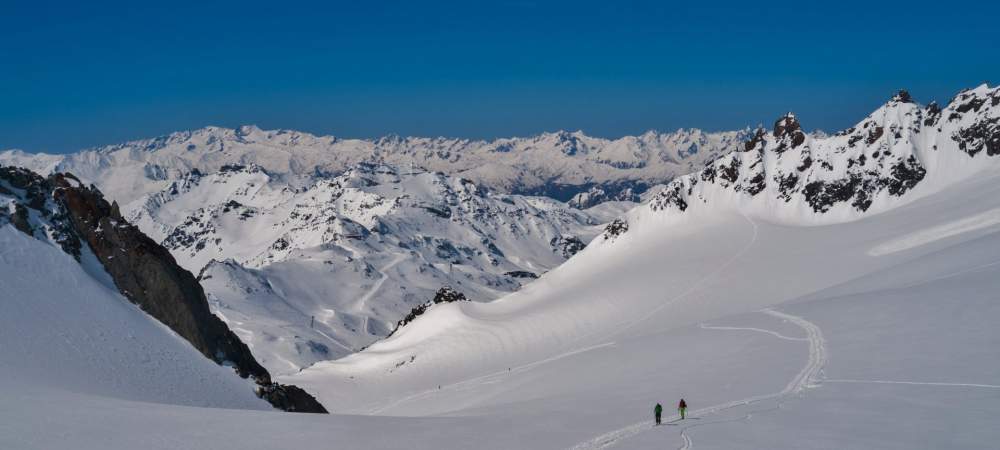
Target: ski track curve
{"type": "Point", "coordinates": [808, 377]}
{"type": "Point", "coordinates": [397, 258]}
{"type": "Point", "coordinates": [760, 330]}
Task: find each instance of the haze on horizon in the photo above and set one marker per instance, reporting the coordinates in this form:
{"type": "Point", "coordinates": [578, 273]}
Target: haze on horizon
{"type": "Point", "coordinates": [76, 76]}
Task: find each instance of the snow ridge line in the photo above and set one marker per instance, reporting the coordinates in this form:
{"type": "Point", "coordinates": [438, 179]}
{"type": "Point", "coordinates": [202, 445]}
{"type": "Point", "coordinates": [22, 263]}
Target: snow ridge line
{"type": "Point", "coordinates": [806, 378]}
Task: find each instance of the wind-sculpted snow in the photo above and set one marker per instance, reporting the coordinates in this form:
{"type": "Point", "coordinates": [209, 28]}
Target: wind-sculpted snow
{"type": "Point", "coordinates": [558, 165]}
{"type": "Point", "coordinates": [313, 273]}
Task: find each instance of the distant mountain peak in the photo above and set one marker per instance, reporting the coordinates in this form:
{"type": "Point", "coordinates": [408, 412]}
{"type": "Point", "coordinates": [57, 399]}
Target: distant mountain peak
{"type": "Point", "coordinates": [557, 164]}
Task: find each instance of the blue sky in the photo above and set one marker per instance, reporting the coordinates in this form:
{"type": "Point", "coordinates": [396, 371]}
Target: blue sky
{"type": "Point", "coordinates": [75, 75]}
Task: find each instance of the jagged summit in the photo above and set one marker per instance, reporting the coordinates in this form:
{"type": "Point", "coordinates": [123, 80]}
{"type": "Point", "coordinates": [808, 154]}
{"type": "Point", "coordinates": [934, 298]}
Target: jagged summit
{"type": "Point", "coordinates": [790, 176]}
{"type": "Point", "coordinates": [788, 128]}
{"type": "Point", "coordinates": [902, 97]}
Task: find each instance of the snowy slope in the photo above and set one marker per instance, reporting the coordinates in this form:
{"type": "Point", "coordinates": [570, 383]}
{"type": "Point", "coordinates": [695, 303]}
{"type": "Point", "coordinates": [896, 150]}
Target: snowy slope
{"type": "Point", "coordinates": [63, 329]}
{"type": "Point", "coordinates": [314, 273]}
{"type": "Point", "coordinates": [558, 165]}
{"type": "Point", "coordinates": [879, 333]}
{"type": "Point", "coordinates": [646, 315]}
{"type": "Point", "coordinates": [783, 326]}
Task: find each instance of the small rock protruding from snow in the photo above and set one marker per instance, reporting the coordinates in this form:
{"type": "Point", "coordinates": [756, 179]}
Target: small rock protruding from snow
{"type": "Point", "coordinates": [446, 294]}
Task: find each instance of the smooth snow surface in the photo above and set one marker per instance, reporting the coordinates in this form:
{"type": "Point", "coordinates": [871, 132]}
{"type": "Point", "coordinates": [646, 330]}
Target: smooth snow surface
{"type": "Point", "coordinates": [63, 329]}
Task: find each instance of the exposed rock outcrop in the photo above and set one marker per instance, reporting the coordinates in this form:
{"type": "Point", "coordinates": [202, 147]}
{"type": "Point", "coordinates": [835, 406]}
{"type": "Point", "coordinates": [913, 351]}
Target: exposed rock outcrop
{"type": "Point", "coordinates": [444, 295]}
{"type": "Point", "coordinates": [144, 272]}
{"type": "Point", "coordinates": [876, 162]}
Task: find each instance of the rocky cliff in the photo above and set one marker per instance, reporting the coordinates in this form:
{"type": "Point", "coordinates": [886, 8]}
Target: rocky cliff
{"type": "Point", "coordinates": [78, 219]}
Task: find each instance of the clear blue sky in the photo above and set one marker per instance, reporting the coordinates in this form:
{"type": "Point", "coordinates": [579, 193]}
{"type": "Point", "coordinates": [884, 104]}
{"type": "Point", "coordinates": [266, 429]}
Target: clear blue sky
{"type": "Point", "coordinates": [74, 75]}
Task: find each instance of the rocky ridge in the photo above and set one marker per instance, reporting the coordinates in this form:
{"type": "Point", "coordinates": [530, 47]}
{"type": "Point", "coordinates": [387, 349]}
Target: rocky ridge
{"type": "Point", "coordinates": [865, 169]}
{"type": "Point", "coordinates": [61, 210]}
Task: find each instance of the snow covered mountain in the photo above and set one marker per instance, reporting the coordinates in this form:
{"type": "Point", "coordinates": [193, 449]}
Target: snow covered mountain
{"type": "Point", "coordinates": [558, 165]}
{"type": "Point", "coordinates": [866, 169]}
{"type": "Point", "coordinates": [317, 272]}
{"type": "Point", "coordinates": [845, 302]}
{"type": "Point", "coordinates": [852, 306]}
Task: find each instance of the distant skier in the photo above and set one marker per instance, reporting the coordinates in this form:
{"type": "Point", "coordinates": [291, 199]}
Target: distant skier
{"type": "Point", "coordinates": [658, 411]}
{"type": "Point", "coordinates": [682, 408]}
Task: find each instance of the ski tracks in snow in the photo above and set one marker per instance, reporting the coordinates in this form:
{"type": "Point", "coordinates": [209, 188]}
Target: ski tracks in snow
{"type": "Point", "coordinates": [363, 301]}
{"type": "Point", "coordinates": [760, 330]}
{"type": "Point", "coordinates": [806, 378]}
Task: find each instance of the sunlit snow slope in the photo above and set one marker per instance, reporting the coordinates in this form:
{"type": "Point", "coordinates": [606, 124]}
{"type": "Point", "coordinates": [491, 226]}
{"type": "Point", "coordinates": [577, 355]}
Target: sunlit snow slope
{"type": "Point", "coordinates": [875, 331]}
{"type": "Point", "coordinates": [63, 329]}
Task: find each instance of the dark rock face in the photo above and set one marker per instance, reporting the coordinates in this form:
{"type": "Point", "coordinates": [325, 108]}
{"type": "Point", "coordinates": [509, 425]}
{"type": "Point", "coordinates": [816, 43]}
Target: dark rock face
{"type": "Point", "coordinates": [933, 114]}
{"type": "Point", "coordinates": [981, 136]}
{"type": "Point", "coordinates": [521, 274]}
{"type": "Point", "coordinates": [616, 228]}
{"type": "Point", "coordinates": [145, 273]}
{"type": "Point", "coordinates": [789, 130]}
{"type": "Point", "coordinates": [902, 97]}
{"type": "Point", "coordinates": [759, 138]}
{"type": "Point", "coordinates": [32, 192]}
{"type": "Point", "coordinates": [567, 245]}
{"type": "Point", "coordinates": [148, 276]}
{"type": "Point", "coordinates": [672, 196]}
{"type": "Point", "coordinates": [289, 398]}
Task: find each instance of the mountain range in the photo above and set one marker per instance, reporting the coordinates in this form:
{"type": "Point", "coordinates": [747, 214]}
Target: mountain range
{"type": "Point", "coordinates": [798, 290]}
{"type": "Point", "coordinates": [559, 165]}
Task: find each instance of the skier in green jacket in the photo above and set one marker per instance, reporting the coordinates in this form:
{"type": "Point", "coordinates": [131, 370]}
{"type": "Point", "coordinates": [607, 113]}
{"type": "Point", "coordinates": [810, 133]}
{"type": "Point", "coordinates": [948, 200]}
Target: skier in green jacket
{"type": "Point", "coordinates": [657, 411]}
